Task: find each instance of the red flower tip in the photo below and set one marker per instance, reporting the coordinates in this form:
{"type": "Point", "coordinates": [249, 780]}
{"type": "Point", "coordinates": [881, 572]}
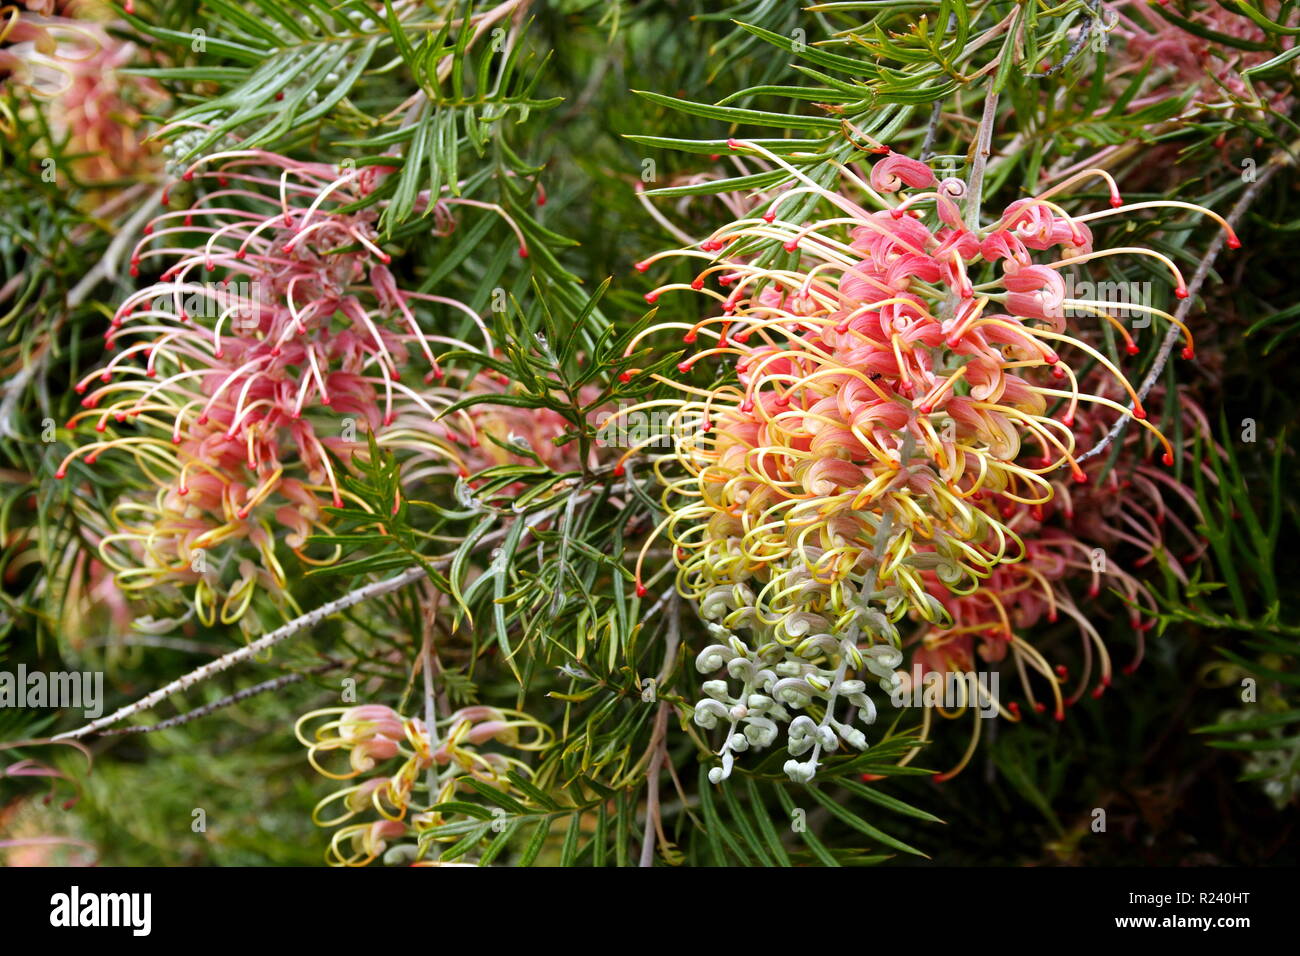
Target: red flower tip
{"type": "Point", "coordinates": [1098, 690]}
{"type": "Point", "coordinates": [188, 175]}
{"type": "Point", "coordinates": [1059, 715]}
{"type": "Point", "coordinates": [689, 337]}
{"type": "Point", "coordinates": [80, 388]}
{"type": "Point", "coordinates": [1167, 458]}
{"type": "Point", "coordinates": [769, 217]}
{"type": "Point", "coordinates": [523, 253]}
{"type": "Point", "coordinates": [870, 777]}
{"type": "Point", "coordinates": [385, 258]}
{"type": "Point", "coordinates": [1189, 353]}
{"type": "Point", "coordinates": [135, 271]}
{"type": "Point", "coordinates": [1132, 348]}
{"type": "Point", "coordinates": [1181, 292]}
{"type": "Point", "coordinates": [1080, 478]}
{"type": "Point", "coordinates": [625, 377]}
{"type": "Point", "coordinates": [790, 246]}
{"type": "Point", "coordinates": [684, 367]}
{"type": "Point", "coordinates": [734, 143]}
{"type": "Point", "coordinates": [697, 284]}
{"type": "Point", "coordinates": [1233, 241]}
{"type": "Point", "coordinates": [1039, 707]}
{"type": "Point", "coordinates": [1139, 413]}
{"type": "Point", "coordinates": [61, 474]}
{"type": "Point", "coordinates": [641, 590]}
{"type": "Point", "coordinates": [641, 266]}
{"type": "Point", "coordinates": [148, 229]}
{"type": "Point", "coordinates": [619, 470]}
{"type": "Point", "coordinates": [1014, 708]}
{"type": "Point", "coordinates": [338, 502]}
{"type": "Point", "coordinates": [652, 297]}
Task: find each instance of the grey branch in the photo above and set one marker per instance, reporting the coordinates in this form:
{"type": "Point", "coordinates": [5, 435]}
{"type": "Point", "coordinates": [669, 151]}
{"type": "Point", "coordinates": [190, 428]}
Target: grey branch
{"type": "Point", "coordinates": [1276, 162]}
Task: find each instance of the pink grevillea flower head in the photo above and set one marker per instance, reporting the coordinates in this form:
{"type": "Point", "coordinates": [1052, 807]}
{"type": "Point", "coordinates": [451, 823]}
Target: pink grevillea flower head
{"type": "Point", "coordinates": [74, 69]}
{"type": "Point", "coordinates": [247, 375]}
{"type": "Point", "coordinates": [859, 452]}
{"type": "Point", "coordinates": [436, 764]}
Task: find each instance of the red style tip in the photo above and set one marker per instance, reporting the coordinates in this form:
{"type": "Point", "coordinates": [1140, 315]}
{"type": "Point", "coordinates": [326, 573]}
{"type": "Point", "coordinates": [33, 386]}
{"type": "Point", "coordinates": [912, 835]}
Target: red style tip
{"type": "Point", "coordinates": [523, 253]}
{"type": "Point", "coordinates": [1132, 348]}
{"type": "Point", "coordinates": [684, 367]}
{"type": "Point", "coordinates": [624, 377]}
{"type": "Point", "coordinates": [769, 217]}
{"type": "Point", "coordinates": [1181, 292]}
{"type": "Point", "coordinates": [641, 266]}
{"type": "Point", "coordinates": [652, 297]}
{"type": "Point", "coordinates": [61, 474]}
{"type": "Point", "coordinates": [1167, 458]}
{"type": "Point", "coordinates": [188, 175]}
{"type": "Point", "coordinates": [1189, 353]}
{"type": "Point", "coordinates": [641, 591]}
{"type": "Point", "coordinates": [619, 470]}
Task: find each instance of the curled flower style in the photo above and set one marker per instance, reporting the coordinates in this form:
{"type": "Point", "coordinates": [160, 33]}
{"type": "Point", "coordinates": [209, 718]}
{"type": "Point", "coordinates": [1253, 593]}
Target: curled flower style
{"type": "Point", "coordinates": [892, 411]}
{"type": "Point", "coordinates": [439, 765]}
{"type": "Point", "coordinates": [247, 376]}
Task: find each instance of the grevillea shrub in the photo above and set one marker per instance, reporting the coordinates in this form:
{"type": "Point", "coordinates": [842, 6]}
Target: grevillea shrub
{"type": "Point", "coordinates": [524, 432]}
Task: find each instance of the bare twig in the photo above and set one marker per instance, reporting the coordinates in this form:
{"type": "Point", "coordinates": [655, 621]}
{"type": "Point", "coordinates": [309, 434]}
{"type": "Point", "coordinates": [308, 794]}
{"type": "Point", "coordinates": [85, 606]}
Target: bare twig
{"type": "Point", "coordinates": [659, 739]}
{"type": "Point", "coordinates": [269, 685]}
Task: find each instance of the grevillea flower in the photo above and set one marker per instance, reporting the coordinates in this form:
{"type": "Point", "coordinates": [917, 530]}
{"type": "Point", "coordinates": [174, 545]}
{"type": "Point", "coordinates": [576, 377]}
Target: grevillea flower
{"type": "Point", "coordinates": [439, 765]}
{"type": "Point", "coordinates": [74, 67]}
{"type": "Point", "coordinates": [889, 404]}
{"type": "Point", "coordinates": [1072, 548]}
{"type": "Point", "coordinates": [248, 375]}
{"type": "Point", "coordinates": [1184, 61]}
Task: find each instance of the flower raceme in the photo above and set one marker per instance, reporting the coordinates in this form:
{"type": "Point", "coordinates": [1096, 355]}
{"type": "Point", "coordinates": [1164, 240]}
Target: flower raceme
{"type": "Point", "coordinates": [438, 764]}
{"type": "Point", "coordinates": [245, 377]}
{"type": "Point", "coordinates": [891, 411]}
